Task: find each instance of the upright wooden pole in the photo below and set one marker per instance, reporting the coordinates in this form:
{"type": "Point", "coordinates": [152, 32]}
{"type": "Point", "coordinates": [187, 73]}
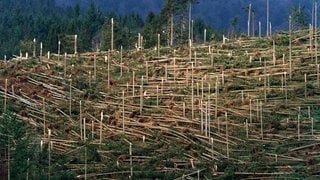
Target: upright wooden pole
{"type": "Point", "coordinates": [101, 119]}
{"type": "Point", "coordinates": [192, 92]}
{"type": "Point", "coordinates": [290, 46]}
{"type": "Point", "coordinates": [123, 111]}
{"type": "Point", "coordinates": [65, 65]}
{"type": "Point", "coordinates": [202, 87]}
{"type": "Point", "coordinates": [267, 17]}
{"type": "Point", "coordinates": [157, 95]}
{"type": "Point", "coordinates": [80, 119]}
{"type": "Point", "coordinates": [184, 109]}
{"type": "Point", "coordinates": [285, 87]}
{"type": "Point", "coordinates": [212, 154]}
{"type": "Point", "coordinates": [174, 68]}
{"type": "Point", "coordinates": [59, 47]}
{"type": "Point", "coordinates": [192, 22]}
{"type": "Point", "coordinates": [305, 86]}
{"type": "Point", "coordinates": [109, 59]}
{"type": "Point", "coordinates": [218, 125]}
{"type": "Point", "coordinates": [34, 48]}
{"type": "Point", "coordinates": [133, 83]}
{"type": "Point", "coordinates": [222, 77]}
{"type": "Point", "coordinates": [205, 36]}
{"type": "Point", "coordinates": [162, 85]}
{"type": "Point", "coordinates": [171, 30]}
{"type": "Point", "coordinates": [95, 67]}
{"type": "Point", "coordinates": [310, 41]}
{"type": "Point", "coordinates": [5, 96]}
{"type": "Point", "coordinates": [141, 99]}
{"type": "Point", "coordinates": [206, 119]}
{"type": "Point", "coordinates": [147, 71]}
{"type": "Point", "coordinates": [111, 34]}
{"type": "Point", "coordinates": [268, 80]}
{"type": "Point", "coordinates": [197, 85]}
{"type": "Point", "coordinates": [130, 154]}
{"type": "Point", "coordinates": [253, 24]}
{"type": "Point", "coordinates": [274, 53]}
{"type": "Point", "coordinates": [316, 30]}
{"type": "Point", "coordinates": [85, 163]}
{"type": "Point", "coordinates": [92, 129]}
{"type": "Point", "coordinates": [158, 47]}
{"type": "Point", "coordinates": [75, 44]}
{"type": "Point", "coordinates": [9, 159]}
{"type": "Point", "coordinates": [299, 127]}
{"type": "Point", "coordinates": [250, 111]}
{"type": "Point", "coordinates": [190, 50]}
{"type": "Point", "coordinates": [49, 154]}
{"type": "Point", "coordinates": [265, 80]}
{"type": "Point", "coordinates": [318, 75]}
{"type": "Point", "coordinates": [259, 29]}
{"type": "Point", "coordinates": [249, 18]}
{"type": "Point", "coordinates": [44, 116]}
{"type": "Point", "coordinates": [261, 120]}
{"type": "Point", "coordinates": [41, 50]}
{"type": "Point", "coordinates": [282, 83]}
{"type": "Point", "coordinates": [227, 134]}
{"type": "Point", "coordinates": [84, 130]}
{"type": "Point", "coordinates": [166, 72]}
{"type": "Point", "coordinates": [189, 37]}
{"type": "Point", "coordinates": [209, 116]}
{"type": "Point", "coordinates": [139, 41]}
{"type": "Point", "coordinates": [121, 63]}
{"type": "Point", "coordinates": [217, 92]}
{"type": "Point", "coordinates": [312, 126]}
{"type": "Point", "coordinates": [70, 98]}
{"type": "Point", "coordinates": [201, 116]}
{"type": "Point", "coordinates": [247, 129]}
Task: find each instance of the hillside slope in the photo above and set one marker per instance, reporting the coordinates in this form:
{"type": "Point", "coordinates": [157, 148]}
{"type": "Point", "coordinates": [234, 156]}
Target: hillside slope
{"type": "Point", "coordinates": [239, 109]}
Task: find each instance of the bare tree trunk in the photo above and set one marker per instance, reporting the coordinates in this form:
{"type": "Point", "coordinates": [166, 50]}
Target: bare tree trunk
{"type": "Point", "coordinates": [249, 18]}
{"type": "Point", "coordinates": [267, 17]}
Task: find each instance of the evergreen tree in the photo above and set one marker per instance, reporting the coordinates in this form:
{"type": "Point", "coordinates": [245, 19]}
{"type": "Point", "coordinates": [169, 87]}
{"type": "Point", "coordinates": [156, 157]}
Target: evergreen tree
{"type": "Point", "coordinates": [151, 29]}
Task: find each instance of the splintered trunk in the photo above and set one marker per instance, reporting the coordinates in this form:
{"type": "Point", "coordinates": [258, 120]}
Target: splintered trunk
{"type": "Point", "coordinates": [44, 116]}
{"type": "Point", "coordinates": [112, 34]}
{"type": "Point", "coordinates": [227, 134]}
{"type": "Point", "coordinates": [316, 30]}
{"type": "Point", "coordinates": [75, 44]}
{"type": "Point", "coordinates": [267, 17]}
{"type": "Point", "coordinates": [80, 119]}
{"type": "Point", "coordinates": [101, 120]}
{"type": "Point", "coordinates": [5, 96]}
{"type": "Point", "coordinates": [59, 45]}
{"type": "Point", "coordinates": [249, 18]}
{"type": "Point", "coordinates": [290, 46]}
{"type": "Point", "coordinates": [123, 113]}
{"type": "Point", "coordinates": [41, 50]}
{"type": "Point", "coordinates": [171, 30]}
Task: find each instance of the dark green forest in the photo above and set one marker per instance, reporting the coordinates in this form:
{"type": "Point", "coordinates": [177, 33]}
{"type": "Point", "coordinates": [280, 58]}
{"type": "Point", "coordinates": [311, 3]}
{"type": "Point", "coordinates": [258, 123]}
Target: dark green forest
{"type": "Point", "coordinates": [22, 22]}
{"type": "Point", "coordinates": [48, 21]}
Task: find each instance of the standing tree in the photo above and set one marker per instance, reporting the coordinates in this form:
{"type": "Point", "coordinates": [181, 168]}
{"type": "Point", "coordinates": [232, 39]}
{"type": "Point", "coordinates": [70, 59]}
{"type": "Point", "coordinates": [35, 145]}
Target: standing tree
{"type": "Point", "coordinates": [151, 29]}
{"type": "Point", "coordinates": [299, 17]}
{"type": "Point", "coordinates": [178, 11]}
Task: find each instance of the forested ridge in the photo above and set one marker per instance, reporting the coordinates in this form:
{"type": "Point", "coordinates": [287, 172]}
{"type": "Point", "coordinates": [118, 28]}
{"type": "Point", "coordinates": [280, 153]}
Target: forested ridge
{"type": "Point", "coordinates": [48, 21]}
{"type": "Point", "coordinates": [22, 22]}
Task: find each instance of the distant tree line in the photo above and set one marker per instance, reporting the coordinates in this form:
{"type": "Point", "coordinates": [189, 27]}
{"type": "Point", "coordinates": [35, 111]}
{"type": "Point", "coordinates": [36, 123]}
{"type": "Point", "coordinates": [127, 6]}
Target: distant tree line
{"type": "Point", "coordinates": [23, 21]}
